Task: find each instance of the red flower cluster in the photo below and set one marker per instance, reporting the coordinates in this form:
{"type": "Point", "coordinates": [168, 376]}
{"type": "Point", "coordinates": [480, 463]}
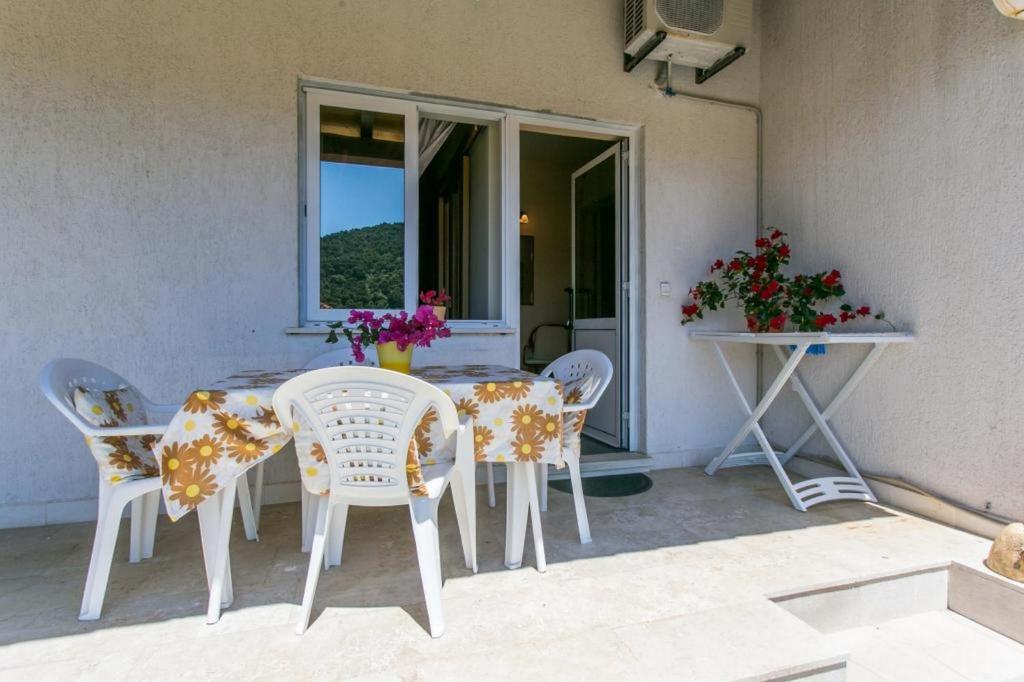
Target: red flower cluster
{"type": "Point", "coordinates": [824, 320]}
{"type": "Point", "coordinates": [435, 297]}
{"type": "Point", "coordinates": [768, 297]}
{"type": "Point", "coordinates": [847, 315]}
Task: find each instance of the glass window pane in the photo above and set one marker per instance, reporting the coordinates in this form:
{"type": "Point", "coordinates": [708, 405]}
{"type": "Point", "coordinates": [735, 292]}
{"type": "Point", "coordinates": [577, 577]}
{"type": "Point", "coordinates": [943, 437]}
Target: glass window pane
{"type": "Point", "coordinates": [460, 215]}
{"type": "Point", "coordinates": [362, 209]}
{"type": "Point", "coordinates": [596, 281]}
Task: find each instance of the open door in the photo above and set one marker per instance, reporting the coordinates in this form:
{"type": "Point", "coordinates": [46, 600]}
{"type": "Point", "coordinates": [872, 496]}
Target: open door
{"type": "Point", "coordinates": [598, 282]}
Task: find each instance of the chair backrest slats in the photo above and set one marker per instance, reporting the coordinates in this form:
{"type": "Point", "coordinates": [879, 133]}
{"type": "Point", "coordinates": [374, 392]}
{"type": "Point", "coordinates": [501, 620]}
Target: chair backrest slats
{"type": "Point", "coordinates": [364, 419]}
{"type": "Point", "coordinates": [588, 371]}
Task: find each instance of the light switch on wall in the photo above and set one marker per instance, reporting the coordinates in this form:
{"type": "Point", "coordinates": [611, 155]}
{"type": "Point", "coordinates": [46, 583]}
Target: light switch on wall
{"type": "Point", "coordinates": [666, 288]}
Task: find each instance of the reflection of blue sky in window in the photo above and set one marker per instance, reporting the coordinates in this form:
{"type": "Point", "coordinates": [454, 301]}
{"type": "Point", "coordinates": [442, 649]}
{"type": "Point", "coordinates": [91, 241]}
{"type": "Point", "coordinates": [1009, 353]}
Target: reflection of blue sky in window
{"type": "Point", "coordinates": [353, 195]}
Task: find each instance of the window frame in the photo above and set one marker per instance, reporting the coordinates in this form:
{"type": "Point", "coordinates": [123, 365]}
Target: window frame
{"type": "Point", "coordinates": [311, 99]}
{"type": "Point", "coordinates": [315, 99]}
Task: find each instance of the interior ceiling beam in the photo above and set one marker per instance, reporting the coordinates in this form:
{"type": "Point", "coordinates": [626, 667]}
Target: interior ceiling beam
{"type": "Point", "coordinates": [341, 146]}
{"type": "Point", "coordinates": [366, 125]}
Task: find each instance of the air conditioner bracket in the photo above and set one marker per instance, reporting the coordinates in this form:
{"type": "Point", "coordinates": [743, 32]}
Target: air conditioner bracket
{"type": "Point", "coordinates": [701, 75]}
{"type": "Point", "coordinates": [629, 62]}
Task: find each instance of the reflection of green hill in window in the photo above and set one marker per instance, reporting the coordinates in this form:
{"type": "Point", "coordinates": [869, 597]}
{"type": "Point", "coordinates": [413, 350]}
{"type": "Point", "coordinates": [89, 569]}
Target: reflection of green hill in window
{"type": "Point", "coordinates": [362, 267]}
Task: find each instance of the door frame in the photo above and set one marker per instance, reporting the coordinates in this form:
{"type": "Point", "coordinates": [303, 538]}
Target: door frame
{"type": "Point", "coordinates": [630, 134]}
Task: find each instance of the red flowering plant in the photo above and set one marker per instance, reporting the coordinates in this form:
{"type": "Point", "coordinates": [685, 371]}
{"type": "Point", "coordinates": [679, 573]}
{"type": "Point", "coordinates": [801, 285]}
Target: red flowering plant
{"type": "Point", "coordinates": [363, 328]}
{"type": "Point", "coordinates": [768, 297]}
{"type": "Point", "coordinates": [435, 297]}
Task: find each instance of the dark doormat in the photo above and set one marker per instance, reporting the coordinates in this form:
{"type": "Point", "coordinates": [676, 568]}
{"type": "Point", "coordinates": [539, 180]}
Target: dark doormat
{"type": "Point", "coordinates": [621, 485]}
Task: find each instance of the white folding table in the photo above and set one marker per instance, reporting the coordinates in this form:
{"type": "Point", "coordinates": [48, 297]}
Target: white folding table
{"type": "Point", "coordinates": [791, 349]}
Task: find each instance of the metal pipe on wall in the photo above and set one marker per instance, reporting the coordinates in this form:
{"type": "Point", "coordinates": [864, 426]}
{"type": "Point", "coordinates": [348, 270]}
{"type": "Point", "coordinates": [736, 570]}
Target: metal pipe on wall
{"type": "Point", "coordinates": [669, 91]}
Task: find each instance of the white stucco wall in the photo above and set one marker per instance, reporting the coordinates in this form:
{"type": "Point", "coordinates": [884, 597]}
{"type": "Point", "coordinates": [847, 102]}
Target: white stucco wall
{"type": "Point", "coordinates": [895, 152]}
{"type": "Point", "coordinates": [148, 164]}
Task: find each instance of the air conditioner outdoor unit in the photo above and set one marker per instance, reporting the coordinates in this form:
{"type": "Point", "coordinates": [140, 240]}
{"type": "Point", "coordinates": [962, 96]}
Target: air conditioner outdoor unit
{"type": "Point", "coordinates": [698, 33]}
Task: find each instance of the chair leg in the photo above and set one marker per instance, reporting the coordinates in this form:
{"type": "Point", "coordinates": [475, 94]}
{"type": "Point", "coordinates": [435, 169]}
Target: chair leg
{"type": "Point", "coordinates": [464, 496]}
{"type": "Point", "coordinates": [257, 495]}
{"type": "Point", "coordinates": [578, 499]}
{"type": "Point", "coordinates": [538, 535]}
{"type": "Point", "coordinates": [138, 516]}
{"type": "Point", "coordinates": [150, 509]}
{"type": "Point", "coordinates": [316, 557]}
{"type": "Point", "coordinates": [336, 539]}
{"type": "Point", "coordinates": [309, 507]}
{"type": "Point", "coordinates": [543, 485]}
{"type": "Point", "coordinates": [491, 502]}
{"type": "Point", "coordinates": [428, 552]}
{"type": "Point", "coordinates": [245, 506]}
{"type": "Point", "coordinates": [216, 543]}
{"type": "Point", "coordinates": [108, 521]}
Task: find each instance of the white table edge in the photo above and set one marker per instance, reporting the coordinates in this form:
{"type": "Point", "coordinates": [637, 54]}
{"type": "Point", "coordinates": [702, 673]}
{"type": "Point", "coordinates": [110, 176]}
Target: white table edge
{"type": "Point", "coordinates": [792, 338]}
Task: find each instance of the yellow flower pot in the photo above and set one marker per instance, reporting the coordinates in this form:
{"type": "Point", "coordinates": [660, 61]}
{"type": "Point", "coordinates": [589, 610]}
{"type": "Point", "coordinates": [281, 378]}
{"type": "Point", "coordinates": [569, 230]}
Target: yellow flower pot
{"type": "Point", "coordinates": [391, 358]}
{"type": "Point", "coordinates": [440, 312]}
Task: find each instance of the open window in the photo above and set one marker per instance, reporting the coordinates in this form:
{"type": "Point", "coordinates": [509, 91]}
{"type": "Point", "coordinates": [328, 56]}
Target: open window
{"type": "Point", "coordinates": [460, 214]}
{"type": "Point", "coordinates": [401, 199]}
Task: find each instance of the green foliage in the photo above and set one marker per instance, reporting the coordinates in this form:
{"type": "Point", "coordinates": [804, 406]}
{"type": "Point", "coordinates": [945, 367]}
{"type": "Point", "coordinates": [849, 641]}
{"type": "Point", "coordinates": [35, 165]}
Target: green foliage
{"type": "Point", "coordinates": [363, 268]}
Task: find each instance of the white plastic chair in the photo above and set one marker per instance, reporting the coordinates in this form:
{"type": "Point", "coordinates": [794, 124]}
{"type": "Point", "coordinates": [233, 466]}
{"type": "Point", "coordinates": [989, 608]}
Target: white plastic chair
{"type": "Point", "coordinates": [585, 375]}
{"type": "Point", "coordinates": [340, 357]}
{"type": "Point", "coordinates": [364, 418]}
{"type": "Point", "coordinates": [58, 381]}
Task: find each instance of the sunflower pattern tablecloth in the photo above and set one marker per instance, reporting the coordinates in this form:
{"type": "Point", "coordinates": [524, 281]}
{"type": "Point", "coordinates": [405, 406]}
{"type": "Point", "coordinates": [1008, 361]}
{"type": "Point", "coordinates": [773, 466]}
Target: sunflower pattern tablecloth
{"type": "Point", "coordinates": [517, 416]}
{"type": "Point", "coordinates": [218, 433]}
{"type": "Point", "coordinates": [230, 426]}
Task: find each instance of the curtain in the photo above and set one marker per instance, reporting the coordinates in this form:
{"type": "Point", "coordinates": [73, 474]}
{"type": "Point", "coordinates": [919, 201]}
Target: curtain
{"type": "Point", "coordinates": [433, 133]}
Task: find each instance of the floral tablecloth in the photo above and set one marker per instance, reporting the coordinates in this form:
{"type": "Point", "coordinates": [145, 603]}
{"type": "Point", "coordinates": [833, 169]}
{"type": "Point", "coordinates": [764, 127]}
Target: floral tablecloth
{"type": "Point", "coordinates": [219, 432]}
{"type": "Point", "coordinates": [230, 426]}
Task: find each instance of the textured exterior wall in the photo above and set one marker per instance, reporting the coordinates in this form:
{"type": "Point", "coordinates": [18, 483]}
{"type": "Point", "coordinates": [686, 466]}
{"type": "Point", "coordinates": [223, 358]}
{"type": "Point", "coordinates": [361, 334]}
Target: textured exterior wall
{"type": "Point", "coordinates": [148, 191]}
{"type": "Point", "coordinates": [895, 152]}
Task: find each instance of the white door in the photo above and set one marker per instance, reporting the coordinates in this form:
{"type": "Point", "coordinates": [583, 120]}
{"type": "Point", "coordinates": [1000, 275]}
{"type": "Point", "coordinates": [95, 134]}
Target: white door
{"type": "Point", "coordinates": [597, 282]}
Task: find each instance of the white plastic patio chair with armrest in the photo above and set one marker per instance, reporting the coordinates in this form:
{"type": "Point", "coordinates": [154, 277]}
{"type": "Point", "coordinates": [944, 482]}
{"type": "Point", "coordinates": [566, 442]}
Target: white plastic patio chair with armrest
{"type": "Point", "coordinates": [117, 448]}
{"type": "Point", "coordinates": [334, 358]}
{"type": "Point", "coordinates": [585, 374]}
{"type": "Point", "coordinates": [364, 419]}
{"type": "Point", "coordinates": [339, 357]}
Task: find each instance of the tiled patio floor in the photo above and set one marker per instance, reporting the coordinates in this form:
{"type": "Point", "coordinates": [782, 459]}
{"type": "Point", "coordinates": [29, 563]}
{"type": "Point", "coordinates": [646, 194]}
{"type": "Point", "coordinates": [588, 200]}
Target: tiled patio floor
{"type": "Point", "coordinates": [671, 588]}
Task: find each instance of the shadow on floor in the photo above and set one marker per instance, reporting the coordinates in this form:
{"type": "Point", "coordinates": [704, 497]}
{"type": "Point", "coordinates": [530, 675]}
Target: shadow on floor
{"type": "Point", "coordinates": [42, 570]}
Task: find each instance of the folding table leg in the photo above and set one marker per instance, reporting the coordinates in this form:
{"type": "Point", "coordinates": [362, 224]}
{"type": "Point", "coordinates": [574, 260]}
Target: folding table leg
{"type": "Point", "coordinates": [838, 401]}
{"type": "Point", "coordinates": [753, 415]}
{"type": "Point", "coordinates": [832, 487]}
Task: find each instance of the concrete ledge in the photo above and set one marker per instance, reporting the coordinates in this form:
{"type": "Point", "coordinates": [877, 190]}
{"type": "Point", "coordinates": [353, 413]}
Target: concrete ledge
{"type": "Point", "coordinates": [989, 599]}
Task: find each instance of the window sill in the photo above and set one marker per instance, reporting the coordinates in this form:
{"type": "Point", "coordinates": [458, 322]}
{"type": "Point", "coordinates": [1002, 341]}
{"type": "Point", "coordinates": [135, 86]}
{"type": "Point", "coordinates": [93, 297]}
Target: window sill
{"type": "Point", "coordinates": [319, 330]}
